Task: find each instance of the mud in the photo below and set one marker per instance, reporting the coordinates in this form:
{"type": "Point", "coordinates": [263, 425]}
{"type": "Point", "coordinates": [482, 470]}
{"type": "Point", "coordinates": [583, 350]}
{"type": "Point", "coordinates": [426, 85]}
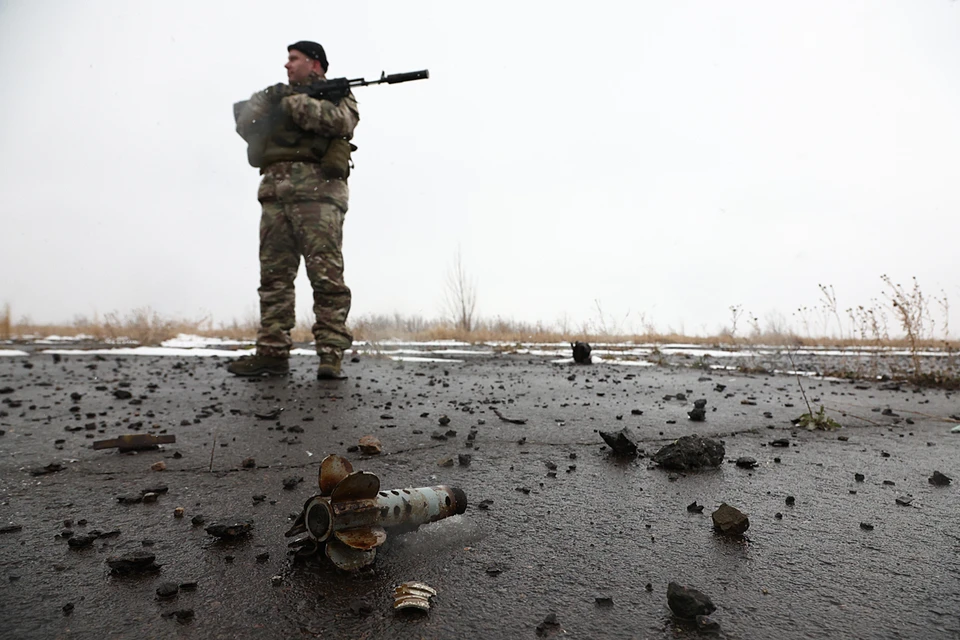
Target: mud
{"type": "Point", "coordinates": [564, 524]}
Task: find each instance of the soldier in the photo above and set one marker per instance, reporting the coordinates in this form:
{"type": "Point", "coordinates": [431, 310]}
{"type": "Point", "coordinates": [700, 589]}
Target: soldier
{"type": "Point", "coordinates": [301, 146]}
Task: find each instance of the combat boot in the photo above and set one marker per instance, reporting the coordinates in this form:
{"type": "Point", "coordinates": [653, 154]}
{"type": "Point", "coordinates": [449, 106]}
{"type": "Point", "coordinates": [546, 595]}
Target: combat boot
{"type": "Point", "coordinates": [259, 366]}
{"type": "Point", "coordinates": [329, 368]}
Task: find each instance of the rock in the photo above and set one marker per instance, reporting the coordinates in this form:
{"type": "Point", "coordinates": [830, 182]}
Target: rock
{"type": "Point", "coordinates": [11, 528]}
{"type": "Point", "coordinates": [178, 512]}
{"type": "Point", "coordinates": [790, 501]}
{"type": "Point", "coordinates": [230, 529]}
{"type": "Point", "coordinates": [248, 463]}
{"type": "Point", "coordinates": [168, 589]}
{"type": "Point", "coordinates": [292, 482]}
{"type": "Point", "coordinates": [136, 562]}
{"type": "Point", "coordinates": [122, 394]}
{"type": "Point", "coordinates": [484, 504]}
{"type": "Point", "coordinates": [699, 412]}
{"type": "Point", "coordinates": [360, 608]}
{"type": "Point", "coordinates": [197, 520]}
{"type": "Point", "coordinates": [690, 453]}
{"type": "Point", "coordinates": [604, 601]}
{"type": "Point", "coordinates": [81, 542]}
{"type": "Point", "coordinates": [53, 467]}
{"type": "Point", "coordinates": [130, 499]}
{"type": "Point", "coordinates": [263, 557]}
{"type": "Point", "coordinates": [866, 526]}
{"type": "Point", "coordinates": [904, 501]}
{"type": "Point", "coordinates": [694, 507]}
{"type": "Point", "coordinates": [464, 459]}
{"type": "Point", "coordinates": [707, 626]}
{"type": "Point", "coordinates": [780, 442]}
{"type": "Point", "coordinates": [939, 480]}
{"type": "Point", "coordinates": [67, 608]}
{"type": "Point", "coordinates": [181, 615]}
{"type": "Point", "coordinates": [444, 421]}
{"type": "Point", "coordinates": [549, 627]}
{"type": "Point", "coordinates": [370, 445]}
{"type": "Point", "coordinates": [159, 466]}
{"type": "Point", "coordinates": [688, 603]}
{"type": "Point", "coordinates": [730, 521]}
{"type": "Point", "coordinates": [446, 461]}
{"type": "Point", "coordinates": [621, 442]}
{"type": "Point", "coordinates": [746, 462]}
{"type": "Point", "coordinates": [859, 477]}
{"type": "Point", "coordinates": [149, 497]}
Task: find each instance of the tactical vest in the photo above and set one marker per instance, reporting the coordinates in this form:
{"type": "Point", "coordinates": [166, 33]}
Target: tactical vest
{"type": "Point", "coordinates": [284, 141]}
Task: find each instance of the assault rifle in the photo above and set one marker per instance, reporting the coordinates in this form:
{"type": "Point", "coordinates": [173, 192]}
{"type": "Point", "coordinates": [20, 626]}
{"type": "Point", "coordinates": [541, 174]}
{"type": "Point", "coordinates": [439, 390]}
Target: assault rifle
{"type": "Point", "coordinates": [333, 90]}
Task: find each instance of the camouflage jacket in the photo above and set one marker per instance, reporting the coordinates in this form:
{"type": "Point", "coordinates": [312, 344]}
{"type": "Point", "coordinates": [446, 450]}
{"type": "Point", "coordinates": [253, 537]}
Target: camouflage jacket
{"type": "Point", "coordinates": [319, 120]}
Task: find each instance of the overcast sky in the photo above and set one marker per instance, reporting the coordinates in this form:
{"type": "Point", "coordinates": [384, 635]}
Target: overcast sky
{"type": "Point", "coordinates": [667, 159]}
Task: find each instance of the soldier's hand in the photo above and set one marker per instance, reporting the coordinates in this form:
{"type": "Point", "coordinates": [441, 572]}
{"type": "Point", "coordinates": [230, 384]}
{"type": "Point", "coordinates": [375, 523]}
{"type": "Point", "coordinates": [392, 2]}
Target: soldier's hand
{"type": "Point", "coordinates": [277, 92]}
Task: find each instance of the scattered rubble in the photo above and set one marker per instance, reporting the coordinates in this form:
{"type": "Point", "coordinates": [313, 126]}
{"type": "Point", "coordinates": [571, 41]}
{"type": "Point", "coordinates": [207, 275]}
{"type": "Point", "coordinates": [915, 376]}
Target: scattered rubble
{"type": "Point", "coordinates": [230, 529]}
{"type": "Point", "coordinates": [730, 521]}
{"type": "Point", "coordinates": [688, 603]}
{"type": "Point", "coordinates": [622, 442]}
{"type": "Point", "coordinates": [939, 480]}
{"type": "Point", "coordinates": [690, 453]}
{"type": "Point", "coordinates": [136, 562]}
{"type": "Point", "coordinates": [549, 627]}
{"type": "Point", "coordinates": [699, 412]}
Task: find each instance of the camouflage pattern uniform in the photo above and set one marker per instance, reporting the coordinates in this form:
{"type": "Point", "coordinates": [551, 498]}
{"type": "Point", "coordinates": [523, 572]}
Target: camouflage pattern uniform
{"type": "Point", "coordinates": [303, 210]}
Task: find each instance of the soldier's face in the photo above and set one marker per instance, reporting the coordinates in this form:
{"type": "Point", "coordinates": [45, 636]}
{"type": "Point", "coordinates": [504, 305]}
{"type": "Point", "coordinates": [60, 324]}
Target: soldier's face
{"type": "Point", "coordinates": [300, 66]}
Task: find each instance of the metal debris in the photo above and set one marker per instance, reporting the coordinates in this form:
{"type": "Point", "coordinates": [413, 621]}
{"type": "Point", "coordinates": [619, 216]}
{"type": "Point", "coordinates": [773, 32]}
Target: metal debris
{"type": "Point", "coordinates": [413, 595]}
{"type": "Point", "coordinates": [350, 514]}
{"type": "Point", "coordinates": [135, 442]}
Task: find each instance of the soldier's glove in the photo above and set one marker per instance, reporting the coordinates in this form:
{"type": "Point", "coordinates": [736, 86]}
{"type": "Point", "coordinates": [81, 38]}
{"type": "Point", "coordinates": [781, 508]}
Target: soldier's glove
{"type": "Point", "coordinates": [277, 92]}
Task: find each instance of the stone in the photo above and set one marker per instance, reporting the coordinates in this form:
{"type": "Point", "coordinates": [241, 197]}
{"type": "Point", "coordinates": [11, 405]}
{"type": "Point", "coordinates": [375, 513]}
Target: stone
{"type": "Point", "coordinates": [248, 463]}
{"type": "Point", "coordinates": [230, 529]}
{"type": "Point", "coordinates": [549, 627]}
{"type": "Point", "coordinates": [746, 462]}
{"type": "Point", "coordinates": [446, 461]}
{"type": "Point", "coordinates": [707, 626]}
{"type": "Point", "coordinates": [939, 480]}
{"type": "Point", "coordinates": [168, 589]}
{"type": "Point", "coordinates": [622, 442]}
{"type": "Point", "coordinates": [688, 603]}
{"type": "Point", "coordinates": [690, 453]}
{"type": "Point", "coordinates": [136, 562]}
{"type": "Point", "coordinates": [730, 521]}
{"type": "Point", "coordinates": [159, 466]}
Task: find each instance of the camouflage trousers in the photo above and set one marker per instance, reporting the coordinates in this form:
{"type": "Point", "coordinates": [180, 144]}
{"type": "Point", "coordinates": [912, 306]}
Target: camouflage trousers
{"type": "Point", "coordinates": [315, 231]}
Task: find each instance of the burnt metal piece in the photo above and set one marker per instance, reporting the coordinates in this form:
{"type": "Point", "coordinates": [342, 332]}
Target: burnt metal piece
{"type": "Point", "coordinates": [413, 595]}
{"type": "Point", "coordinates": [351, 514]}
{"type": "Point", "coordinates": [135, 442]}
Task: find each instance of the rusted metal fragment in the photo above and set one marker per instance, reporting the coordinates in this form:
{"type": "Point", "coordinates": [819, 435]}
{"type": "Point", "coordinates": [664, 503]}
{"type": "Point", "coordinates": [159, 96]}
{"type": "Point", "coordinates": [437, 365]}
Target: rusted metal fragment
{"type": "Point", "coordinates": [333, 469]}
{"type": "Point", "coordinates": [362, 538]}
{"type": "Point", "coordinates": [370, 445]}
{"type": "Point", "coordinates": [135, 442]}
{"type": "Point", "coordinates": [349, 559]}
{"type": "Point", "coordinates": [359, 485]}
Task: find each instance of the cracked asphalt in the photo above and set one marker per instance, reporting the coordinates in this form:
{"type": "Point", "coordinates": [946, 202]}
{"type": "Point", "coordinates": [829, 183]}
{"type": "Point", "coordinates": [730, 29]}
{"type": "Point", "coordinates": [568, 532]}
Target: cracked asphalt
{"type": "Point", "coordinates": [568, 523]}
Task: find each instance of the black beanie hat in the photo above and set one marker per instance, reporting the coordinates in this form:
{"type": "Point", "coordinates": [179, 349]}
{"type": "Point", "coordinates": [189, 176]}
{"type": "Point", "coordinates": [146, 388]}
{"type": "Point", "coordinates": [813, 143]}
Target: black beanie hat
{"type": "Point", "coordinates": [311, 50]}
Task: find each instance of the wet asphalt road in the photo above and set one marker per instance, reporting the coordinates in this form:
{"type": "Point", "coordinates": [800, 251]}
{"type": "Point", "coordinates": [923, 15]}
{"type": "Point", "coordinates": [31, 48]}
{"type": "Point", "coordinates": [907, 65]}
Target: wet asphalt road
{"type": "Point", "coordinates": [601, 528]}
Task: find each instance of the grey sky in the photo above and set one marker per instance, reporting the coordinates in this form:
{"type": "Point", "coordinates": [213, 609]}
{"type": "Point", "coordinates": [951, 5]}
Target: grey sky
{"type": "Point", "coordinates": [668, 159]}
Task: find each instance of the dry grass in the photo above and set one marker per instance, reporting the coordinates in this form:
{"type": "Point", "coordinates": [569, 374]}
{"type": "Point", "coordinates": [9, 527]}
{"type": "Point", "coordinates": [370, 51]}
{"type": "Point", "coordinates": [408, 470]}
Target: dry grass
{"type": "Point", "coordinates": [147, 327]}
